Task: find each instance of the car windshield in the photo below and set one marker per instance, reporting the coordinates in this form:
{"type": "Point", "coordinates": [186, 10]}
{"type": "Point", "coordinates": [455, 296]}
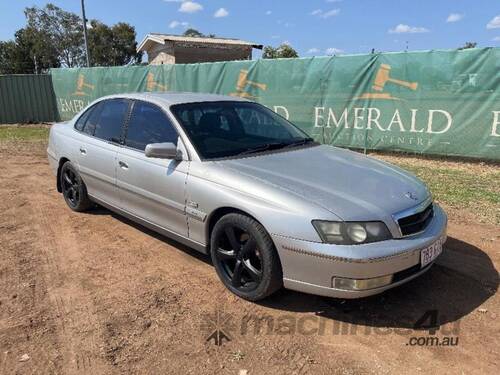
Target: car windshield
{"type": "Point", "coordinates": [229, 129]}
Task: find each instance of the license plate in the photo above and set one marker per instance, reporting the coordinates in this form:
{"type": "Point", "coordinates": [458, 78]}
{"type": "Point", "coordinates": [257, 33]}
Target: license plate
{"type": "Point", "coordinates": [430, 253]}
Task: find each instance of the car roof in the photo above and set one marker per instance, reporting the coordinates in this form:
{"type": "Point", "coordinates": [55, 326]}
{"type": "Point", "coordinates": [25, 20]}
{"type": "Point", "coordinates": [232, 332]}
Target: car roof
{"type": "Point", "coordinates": [170, 98]}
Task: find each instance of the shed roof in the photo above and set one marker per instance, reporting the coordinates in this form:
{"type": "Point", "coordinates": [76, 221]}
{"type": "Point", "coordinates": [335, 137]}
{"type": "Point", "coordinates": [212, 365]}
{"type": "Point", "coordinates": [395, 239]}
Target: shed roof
{"type": "Point", "coordinates": [162, 38]}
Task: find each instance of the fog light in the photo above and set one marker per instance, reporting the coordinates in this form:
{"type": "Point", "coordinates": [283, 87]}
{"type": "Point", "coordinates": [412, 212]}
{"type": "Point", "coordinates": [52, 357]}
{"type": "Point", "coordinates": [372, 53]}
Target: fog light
{"type": "Point", "coordinates": [361, 284]}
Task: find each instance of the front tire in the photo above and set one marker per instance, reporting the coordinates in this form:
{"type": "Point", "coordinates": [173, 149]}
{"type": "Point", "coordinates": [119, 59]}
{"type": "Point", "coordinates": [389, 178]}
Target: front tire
{"type": "Point", "coordinates": [245, 258]}
{"type": "Point", "coordinates": [74, 189]}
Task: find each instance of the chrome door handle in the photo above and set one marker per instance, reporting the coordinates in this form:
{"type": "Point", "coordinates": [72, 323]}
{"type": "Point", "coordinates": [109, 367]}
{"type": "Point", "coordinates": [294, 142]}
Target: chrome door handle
{"type": "Point", "coordinates": [123, 165]}
{"type": "Point", "coordinates": [83, 151]}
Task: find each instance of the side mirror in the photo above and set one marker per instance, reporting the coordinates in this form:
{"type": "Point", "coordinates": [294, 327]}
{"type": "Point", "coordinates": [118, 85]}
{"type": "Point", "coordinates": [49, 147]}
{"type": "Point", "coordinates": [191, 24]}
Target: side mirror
{"type": "Point", "coordinates": [163, 151]}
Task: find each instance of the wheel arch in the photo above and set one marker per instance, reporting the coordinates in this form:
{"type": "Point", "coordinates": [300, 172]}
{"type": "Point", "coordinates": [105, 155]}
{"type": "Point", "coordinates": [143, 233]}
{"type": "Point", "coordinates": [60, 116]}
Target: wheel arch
{"type": "Point", "coordinates": [59, 167]}
{"type": "Point", "coordinates": [218, 213]}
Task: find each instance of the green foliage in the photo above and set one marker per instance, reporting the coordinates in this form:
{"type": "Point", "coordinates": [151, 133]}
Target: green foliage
{"type": "Point", "coordinates": [59, 29]}
{"type": "Point", "coordinates": [282, 51]}
{"type": "Point", "coordinates": [468, 45]}
{"type": "Point", "coordinates": [53, 37]}
{"type": "Point", "coordinates": [14, 60]}
{"type": "Point", "coordinates": [113, 46]}
{"type": "Point", "coordinates": [30, 52]}
{"type": "Point", "coordinates": [193, 33]}
{"type": "Point", "coordinates": [23, 133]}
{"type": "Point", "coordinates": [196, 34]}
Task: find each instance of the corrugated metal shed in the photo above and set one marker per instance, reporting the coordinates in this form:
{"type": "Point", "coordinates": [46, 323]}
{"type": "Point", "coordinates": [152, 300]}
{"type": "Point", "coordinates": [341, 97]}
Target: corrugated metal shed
{"type": "Point", "coordinates": [162, 38]}
{"type": "Point", "coordinates": [27, 98]}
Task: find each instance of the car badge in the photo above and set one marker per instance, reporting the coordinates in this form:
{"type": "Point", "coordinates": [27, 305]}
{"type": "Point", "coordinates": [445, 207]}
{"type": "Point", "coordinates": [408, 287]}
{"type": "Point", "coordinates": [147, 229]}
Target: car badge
{"type": "Point", "coordinates": [411, 195]}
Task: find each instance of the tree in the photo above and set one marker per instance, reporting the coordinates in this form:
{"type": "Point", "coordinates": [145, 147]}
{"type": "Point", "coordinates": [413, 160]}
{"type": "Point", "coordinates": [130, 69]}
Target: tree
{"type": "Point", "coordinates": [28, 53]}
{"type": "Point", "coordinates": [54, 38]}
{"type": "Point", "coordinates": [196, 34]}
{"type": "Point", "coordinates": [282, 51]}
{"type": "Point", "coordinates": [113, 46]}
{"type": "Point", "coordinates": [7, 59]}
{"type": "Point", "coordinates": [468, 45]}
{"type": "Point", "coordinates": [62, 31]}
{"type": "Point", "coordinates": [193, 33]}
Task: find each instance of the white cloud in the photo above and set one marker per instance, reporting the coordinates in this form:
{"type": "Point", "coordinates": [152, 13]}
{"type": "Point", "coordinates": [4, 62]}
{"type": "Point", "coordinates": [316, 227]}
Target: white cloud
{"type": "Point", "coordinates": [402, 28]}
{"type": "Point", "coordinates": [313, 50]}
{"type": "Point", "coordinates": [275, 36]}
{"type": "Point", "coordinates": [268, 12]}
{"type": "Point", "coordinates": [494, 23]}
{"type": "Point", "coordinates": [333, 51]}
{"type": "Point", "coordinates": [330, 13]}
{"type": "Point", "coordinates": [221, 12]}
{"type": "Point", "coordinates": [190, 7]}
{"type": "Point", "coordinates": [496, 39]}
{"type": "Point", "coordinates": [286, 42]}
{"type": "Point", "coordinates": [175, 24]}
{"type": "Point", "coordinates": [320, 13]}
{"type": "Point", "coordinates": [454, 17]}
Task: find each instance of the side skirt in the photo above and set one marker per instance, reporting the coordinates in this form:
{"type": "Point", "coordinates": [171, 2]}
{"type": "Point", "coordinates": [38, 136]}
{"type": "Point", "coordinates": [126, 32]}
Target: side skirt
{"type": "Point", "coordinates": [154, 227]}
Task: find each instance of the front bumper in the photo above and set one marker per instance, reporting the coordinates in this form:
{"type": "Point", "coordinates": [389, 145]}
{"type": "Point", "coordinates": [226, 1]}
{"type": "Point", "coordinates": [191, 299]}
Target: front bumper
{"type": "Point", "coordinates": [311, 267]}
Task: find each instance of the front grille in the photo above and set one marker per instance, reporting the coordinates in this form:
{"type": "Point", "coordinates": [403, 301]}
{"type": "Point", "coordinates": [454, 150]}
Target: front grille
{"type": "Point", "coordinates": [417, 222]}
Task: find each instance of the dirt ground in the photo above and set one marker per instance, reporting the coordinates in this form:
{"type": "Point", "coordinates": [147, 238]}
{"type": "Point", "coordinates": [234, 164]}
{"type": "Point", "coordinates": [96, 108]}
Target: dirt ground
{"type": "Point", "coordinates": [95, 293]}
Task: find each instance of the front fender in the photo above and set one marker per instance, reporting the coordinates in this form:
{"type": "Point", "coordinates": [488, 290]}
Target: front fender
{"type": "Point", "coordinates": [280, 212]}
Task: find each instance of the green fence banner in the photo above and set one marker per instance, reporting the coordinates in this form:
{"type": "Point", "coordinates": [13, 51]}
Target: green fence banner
{"type": "Point", "coordinates": [432, 102]}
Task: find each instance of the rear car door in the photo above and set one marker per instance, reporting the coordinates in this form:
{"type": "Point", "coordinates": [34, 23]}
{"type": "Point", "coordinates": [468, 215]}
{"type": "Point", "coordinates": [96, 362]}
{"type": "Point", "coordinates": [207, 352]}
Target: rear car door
{"type": "Point", "coordinates": [101, 129]}
{"type": "Point", "coordinates": [151, 188]}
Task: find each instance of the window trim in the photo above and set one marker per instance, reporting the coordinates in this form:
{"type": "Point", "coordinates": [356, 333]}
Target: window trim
{"type": "Point", "coordinates": [84, 113]}
{"type": "Point", "coordinates": [125, 130]}
{"type": "Point", "coordinates": [95, 105]}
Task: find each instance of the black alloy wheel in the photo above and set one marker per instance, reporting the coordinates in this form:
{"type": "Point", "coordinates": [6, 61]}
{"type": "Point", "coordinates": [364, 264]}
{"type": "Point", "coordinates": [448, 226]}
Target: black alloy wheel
{"type": "Point", "coordinates": [74, 189]}
{"type": "Point", "coordinates": [245, 258]}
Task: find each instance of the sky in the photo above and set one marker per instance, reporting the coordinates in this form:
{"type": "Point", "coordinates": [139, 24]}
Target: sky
{"type": "Point", "coordinates": [312, 27]}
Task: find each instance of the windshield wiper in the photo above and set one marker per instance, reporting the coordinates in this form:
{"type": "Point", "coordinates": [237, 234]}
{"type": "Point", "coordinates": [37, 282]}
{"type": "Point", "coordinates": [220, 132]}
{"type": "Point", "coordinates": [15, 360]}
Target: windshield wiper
{"type": "Point", "coordinates": [264, 147]}
{"type": "Point", "coordinates": [300, 142]}
{"type": "Point", "coordinates": [275, 146]}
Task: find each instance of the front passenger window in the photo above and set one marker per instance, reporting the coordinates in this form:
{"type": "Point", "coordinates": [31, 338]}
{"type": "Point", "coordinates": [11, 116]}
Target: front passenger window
{"type": "Point", "coordinates": [149, 124]}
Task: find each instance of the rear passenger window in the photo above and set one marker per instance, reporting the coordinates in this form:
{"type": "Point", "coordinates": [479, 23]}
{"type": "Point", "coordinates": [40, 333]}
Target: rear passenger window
{"type": "Point", "coordinates": [149, 124]}
{"type": "Point", "coordinates": [80, 123]}
{"type": "Point", "coordinates": [86, 122]}
{"type": "Point", "coordinates": [111, 117]}
{"type": "Point", "coordinates": [90, 124]}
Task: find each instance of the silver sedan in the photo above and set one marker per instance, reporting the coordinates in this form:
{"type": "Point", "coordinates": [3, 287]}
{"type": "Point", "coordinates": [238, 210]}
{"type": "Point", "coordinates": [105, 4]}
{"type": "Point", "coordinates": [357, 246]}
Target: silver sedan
{"type": "Point", "coordinates": [233, 179]}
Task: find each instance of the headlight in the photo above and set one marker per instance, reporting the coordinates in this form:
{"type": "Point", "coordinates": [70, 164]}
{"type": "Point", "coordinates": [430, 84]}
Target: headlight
{"type": "Point", "coordinates": [351, 233]}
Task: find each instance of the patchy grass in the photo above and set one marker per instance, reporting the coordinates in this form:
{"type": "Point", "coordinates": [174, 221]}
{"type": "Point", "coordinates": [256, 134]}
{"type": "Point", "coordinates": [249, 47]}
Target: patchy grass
{"type": "Point", "coordinates": [470, 186]}
{"type": "Point", "coordinates": [24, 132]}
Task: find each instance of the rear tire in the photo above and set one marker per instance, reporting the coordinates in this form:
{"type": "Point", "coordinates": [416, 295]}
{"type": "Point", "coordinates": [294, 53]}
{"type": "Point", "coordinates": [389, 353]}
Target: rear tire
{"type": "Point", "coordinates": [245, 258]}
{"type": "Point", "coordinates": [74, 189]}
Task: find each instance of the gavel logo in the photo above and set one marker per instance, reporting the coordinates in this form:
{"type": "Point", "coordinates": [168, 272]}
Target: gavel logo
{"type": "Point", "coordinates": [383, 76]}
{"type": "Point", "coordinates": [80, 85]}
{"type": "Point", "coordinates": [151, 85]}
{"type": "Point", "coordinates": [242, 84]}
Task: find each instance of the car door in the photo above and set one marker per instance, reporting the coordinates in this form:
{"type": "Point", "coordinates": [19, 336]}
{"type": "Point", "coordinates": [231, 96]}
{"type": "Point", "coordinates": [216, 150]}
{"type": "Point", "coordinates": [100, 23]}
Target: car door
{"type": "Point", "coordinates": [151, 188]}
{"type": "Point", "coordinates": [100, 130]}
